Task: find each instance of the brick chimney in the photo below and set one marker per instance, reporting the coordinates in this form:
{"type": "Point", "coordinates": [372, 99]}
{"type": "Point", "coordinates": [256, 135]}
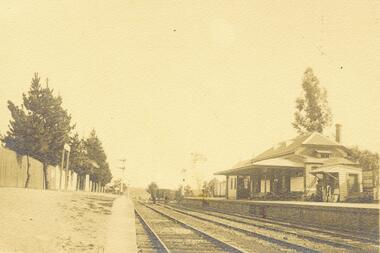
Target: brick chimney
{"type": "Point", "coordinates": [338, 132]}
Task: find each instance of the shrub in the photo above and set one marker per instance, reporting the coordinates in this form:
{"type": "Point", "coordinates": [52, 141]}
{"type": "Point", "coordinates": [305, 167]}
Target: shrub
{"type": "Point", "coordinates": [361, 197]}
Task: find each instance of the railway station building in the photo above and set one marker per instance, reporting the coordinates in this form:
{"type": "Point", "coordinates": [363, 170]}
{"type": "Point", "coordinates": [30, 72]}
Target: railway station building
{"type": "Point", "coordinates": [310, 166]}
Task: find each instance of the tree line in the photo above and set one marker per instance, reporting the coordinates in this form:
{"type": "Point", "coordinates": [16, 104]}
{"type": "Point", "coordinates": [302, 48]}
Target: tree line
{"type": "Point", "coordinates": [40, 127]}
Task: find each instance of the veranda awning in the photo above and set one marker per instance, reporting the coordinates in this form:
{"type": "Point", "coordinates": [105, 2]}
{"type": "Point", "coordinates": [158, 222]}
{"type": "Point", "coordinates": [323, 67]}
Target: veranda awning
{"type": "Point", "coordinates": [250, 167]}
{"type": "Point", "coordinates": [337, 169]}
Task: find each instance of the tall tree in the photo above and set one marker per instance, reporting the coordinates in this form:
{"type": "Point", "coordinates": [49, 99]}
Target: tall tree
{"type": "Point", "coordinates": [95, 152]}
{"type": "Point", "coordinates": [78, 154]}
{"type": "Point", "coordinates": [40, 126]}
{"type": "Point", "coordinates": [79, 161]}
{"type": "Point", "coordinates": [312, 110]}
{"type": "Point", "coordinates": [105, 175]}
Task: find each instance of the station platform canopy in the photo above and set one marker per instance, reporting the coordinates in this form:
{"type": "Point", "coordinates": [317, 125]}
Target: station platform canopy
{"type": "Point", "coordinates": [250, 167]}
{"type": "Point", "coordinates": [339, 168]}
{"type": "Point", "coordinates": [335, 166]}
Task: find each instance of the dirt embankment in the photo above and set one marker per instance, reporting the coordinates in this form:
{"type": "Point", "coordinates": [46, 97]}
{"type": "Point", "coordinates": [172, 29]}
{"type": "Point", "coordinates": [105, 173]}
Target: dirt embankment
{"type": "Point", "coordinates": [49, 221]}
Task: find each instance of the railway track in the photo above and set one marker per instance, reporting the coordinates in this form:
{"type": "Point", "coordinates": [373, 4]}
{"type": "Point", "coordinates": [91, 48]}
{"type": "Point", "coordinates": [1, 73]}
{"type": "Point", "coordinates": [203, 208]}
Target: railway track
{"type": "Point", "coordinates": [280, 239]}
{"type": "Point", "coordinates": [159, 232]}
{"type": "Point", "coordinates": [366, 238]}
{"type": "Point", "coordinates": [245, 242]}
{"type": "Point", "coordinates": [148, 241]}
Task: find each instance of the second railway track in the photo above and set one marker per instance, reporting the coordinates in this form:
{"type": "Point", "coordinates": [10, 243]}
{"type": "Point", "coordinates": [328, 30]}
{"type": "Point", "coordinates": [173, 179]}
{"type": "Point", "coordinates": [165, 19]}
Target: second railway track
{"type": "Point", "coordinates": [255, 238]}
{"type": "Point", "coordinates": [236, 240]}
{"type": "Point", "coordinates": [328, 242]}
{"type": "Point", "coordinates": [234, 234]}
{"type": "Point", "coordinates": [157, 232]}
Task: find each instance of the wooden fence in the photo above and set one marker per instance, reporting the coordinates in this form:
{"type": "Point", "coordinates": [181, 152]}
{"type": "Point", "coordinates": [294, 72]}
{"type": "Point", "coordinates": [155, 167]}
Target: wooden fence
{"type": "Point", "coordinates": [13, 170]}
{"type": "Point", "coordinates": [13, 173]}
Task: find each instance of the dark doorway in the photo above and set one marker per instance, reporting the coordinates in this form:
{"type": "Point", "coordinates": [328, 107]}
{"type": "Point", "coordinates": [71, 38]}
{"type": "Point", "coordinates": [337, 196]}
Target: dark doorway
{"type": "Point", "coordinates": [353, 183]}
{"type": "Point", "coordinates": [243, 187]}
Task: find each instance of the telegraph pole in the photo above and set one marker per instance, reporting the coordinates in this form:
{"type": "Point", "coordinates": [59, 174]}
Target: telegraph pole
{"type": "Point", "coordinates": [65, 154]}
{"type": "Point", "coordinates": [183, 182]}
{"type": "Point", "coordinates": [122, 175]}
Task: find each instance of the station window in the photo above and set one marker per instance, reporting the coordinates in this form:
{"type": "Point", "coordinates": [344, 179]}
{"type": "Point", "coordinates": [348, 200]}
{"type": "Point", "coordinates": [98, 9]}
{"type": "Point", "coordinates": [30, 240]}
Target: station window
{"type": "Point", "coordinates": [323, 153]}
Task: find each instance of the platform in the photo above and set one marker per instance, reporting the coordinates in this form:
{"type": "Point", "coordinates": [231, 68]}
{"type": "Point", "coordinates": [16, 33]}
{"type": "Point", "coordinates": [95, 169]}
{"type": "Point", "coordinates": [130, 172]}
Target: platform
{"type": "Point", "coordinates": [121, 231]}
{"type": "Point", "coordinates": [301, 203]}
{"type": "Point", "coordinates": [349, 217]}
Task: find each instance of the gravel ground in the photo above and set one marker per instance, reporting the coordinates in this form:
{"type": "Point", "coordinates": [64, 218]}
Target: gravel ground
{"type": "Point", "coordinates": [49, 221]}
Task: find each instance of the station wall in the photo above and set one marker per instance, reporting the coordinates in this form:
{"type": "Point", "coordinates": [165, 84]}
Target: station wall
{"type": "Point", "coordinates": [348, 218]}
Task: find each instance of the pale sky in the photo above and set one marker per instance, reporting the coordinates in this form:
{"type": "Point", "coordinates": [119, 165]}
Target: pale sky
{"type": "Point", "coordinates": [159, 80]}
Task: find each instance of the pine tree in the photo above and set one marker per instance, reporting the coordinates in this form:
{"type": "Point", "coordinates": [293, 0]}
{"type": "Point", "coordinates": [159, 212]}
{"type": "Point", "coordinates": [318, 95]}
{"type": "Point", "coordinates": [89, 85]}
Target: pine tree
{"type": "Point", "coordinates": [100, 173]}
{"type": "Point", "coordinates": [39, 127]}
{"type": "Point", "coordinates": [312, 111]}
{"type": "Point", "coordinates": [79, 161]}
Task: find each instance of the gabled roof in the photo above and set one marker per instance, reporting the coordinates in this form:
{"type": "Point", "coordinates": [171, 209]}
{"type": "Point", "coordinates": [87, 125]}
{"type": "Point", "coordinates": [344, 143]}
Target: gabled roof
{"type": "Point", "coordinates": [338, 161]}
{"type": "Point", "coordinates": [283, 148]}
{"type": "Point", "coordinates": [319, 139]}
{"type": "Point", "coordinates": [283, 155]}
{"type": "Point", "coordinates": [288, 147]}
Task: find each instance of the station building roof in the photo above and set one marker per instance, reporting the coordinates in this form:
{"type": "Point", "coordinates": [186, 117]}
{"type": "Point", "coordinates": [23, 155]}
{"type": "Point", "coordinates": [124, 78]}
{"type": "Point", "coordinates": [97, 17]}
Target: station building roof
{"type": "Point", "coordinates": [289, 146]}
{"type": "Point", "coordinates": [250, 165]}
{"type": "Point", "coordinates": [283, 155]}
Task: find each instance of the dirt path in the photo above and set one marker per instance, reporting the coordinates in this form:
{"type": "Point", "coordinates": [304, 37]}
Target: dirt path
{"type": "Point", "coordinates": [49, 221]}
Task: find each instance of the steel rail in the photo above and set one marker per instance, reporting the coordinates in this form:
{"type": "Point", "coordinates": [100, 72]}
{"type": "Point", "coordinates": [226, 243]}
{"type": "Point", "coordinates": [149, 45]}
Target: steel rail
{"type": "Point", "coordinates": [303, 236]}
{"type": "Point", "coordinates": [224, 245]}
{"type": "Point", "coordinates": [152, 234]}
{"type": "Point", "coordinates": [340, 234]}
{"type": "Point", "coordinates": [257, 235]}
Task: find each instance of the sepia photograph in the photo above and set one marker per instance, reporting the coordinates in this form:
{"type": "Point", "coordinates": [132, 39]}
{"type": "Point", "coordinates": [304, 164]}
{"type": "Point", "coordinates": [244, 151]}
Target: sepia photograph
{"type": "Point", "coordinates": [193, 126]}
